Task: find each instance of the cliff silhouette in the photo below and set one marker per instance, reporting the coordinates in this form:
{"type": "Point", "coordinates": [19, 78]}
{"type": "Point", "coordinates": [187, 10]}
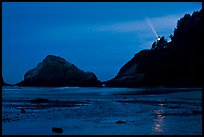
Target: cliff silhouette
{"type": "Point", "coordinates": [177, 63]}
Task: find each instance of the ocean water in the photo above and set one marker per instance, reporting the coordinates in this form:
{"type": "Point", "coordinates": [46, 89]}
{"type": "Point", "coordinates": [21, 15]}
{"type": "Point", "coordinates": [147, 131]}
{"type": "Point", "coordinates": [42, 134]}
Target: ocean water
{"type": "Point", "coordinates": [95, 111]}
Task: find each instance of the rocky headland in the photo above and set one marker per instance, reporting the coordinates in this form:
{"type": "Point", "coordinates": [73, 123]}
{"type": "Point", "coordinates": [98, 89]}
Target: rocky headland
{"type": "Point", "coordinates": [176, 63]}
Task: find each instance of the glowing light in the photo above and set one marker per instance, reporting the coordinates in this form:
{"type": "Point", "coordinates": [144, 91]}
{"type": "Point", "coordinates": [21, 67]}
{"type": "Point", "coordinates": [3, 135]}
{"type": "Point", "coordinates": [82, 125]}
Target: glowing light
{"type": "Point", "coordinates": [161, 103]}
{"type": "Point", "coordinates": [159, 126]}
{"type": "Point", "coordinates": [158, 38]}
{"type": "Point", "coordinates": [152, 27]}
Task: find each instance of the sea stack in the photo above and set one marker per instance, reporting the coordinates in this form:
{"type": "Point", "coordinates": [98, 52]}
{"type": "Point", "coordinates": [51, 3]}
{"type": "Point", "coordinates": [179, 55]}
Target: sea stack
{"type": "Point", "coordinates": [56, 71]}
{"type": "Point", "coordinates": [4, 83]}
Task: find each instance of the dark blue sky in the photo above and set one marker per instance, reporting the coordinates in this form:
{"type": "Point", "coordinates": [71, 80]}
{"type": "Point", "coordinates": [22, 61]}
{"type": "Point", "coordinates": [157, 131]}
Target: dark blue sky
{"type": "Point", "coordinates": [97, 37]}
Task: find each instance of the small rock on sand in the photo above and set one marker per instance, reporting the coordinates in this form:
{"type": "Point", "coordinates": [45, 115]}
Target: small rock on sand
{"type": "Point", "coordinates": [57, 130]}
{"type": "Point", "coordinates": [120, 122]}
{"type": "Point", "coordinates": [40, 100]}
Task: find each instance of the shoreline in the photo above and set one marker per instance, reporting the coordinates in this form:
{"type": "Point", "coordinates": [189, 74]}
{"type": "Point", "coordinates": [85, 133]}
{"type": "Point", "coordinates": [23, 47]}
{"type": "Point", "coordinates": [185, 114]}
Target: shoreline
{"type": "Point", "coordinates": [157, 114]}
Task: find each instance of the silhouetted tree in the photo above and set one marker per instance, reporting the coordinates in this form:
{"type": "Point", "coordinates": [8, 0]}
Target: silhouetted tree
{"type": "Point", "coordinates": [171, 36]}
{"type": "Point", "coordinates": [154, 45]}
{"type": "Point", "coordinates": [187, 34]}
{"type": "Point", "coordinates": [160, 44]}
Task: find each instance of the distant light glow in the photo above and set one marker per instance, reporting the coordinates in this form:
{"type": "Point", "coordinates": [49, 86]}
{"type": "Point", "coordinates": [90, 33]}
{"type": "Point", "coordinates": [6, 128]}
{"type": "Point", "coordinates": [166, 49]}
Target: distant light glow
{"type": "Point", "coordinates": [152, 27]}
{"type": "Point", "coordinates": [159, 121]}
{"type": "Point", "coordinates": [161, 104]}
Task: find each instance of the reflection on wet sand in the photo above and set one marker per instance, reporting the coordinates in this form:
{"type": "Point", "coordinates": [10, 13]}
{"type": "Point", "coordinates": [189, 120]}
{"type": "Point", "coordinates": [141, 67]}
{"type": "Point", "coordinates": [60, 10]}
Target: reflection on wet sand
{"type": "Point", "coordinates": [159, 120]}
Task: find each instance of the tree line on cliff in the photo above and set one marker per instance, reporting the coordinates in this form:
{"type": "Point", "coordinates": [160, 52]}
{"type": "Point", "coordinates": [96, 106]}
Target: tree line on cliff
{"type": "Point", "coordinates": [175, 63]}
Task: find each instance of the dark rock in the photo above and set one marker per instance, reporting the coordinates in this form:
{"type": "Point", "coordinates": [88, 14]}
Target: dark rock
{"type": "Point", "coordinates": [23, 110]}
{"type": "Point", "coordinates": [120, 122]}
{"type": "Point", "coordinates": [40, 100]}
{"type": "Point", "coordinates": [179, 65]}
{"type": "Point", "coordinates": [56, 71]}
{"type": "Point", "coordinates": [6, 119]}
{"type": "Point", "coordinates": [57, 130]}
{"type": "Point", "coordinates": [4, 83]}
{"type": "Point", "coordinates": [196, 112]}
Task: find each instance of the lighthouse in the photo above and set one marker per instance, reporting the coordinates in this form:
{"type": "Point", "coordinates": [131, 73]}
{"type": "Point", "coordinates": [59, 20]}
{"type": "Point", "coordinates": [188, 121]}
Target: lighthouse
{"type": "Point", "coordinates": [158, 38]}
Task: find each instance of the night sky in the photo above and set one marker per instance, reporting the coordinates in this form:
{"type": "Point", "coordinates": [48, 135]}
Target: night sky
{"type": "Point", "coordinates": [96, 37]}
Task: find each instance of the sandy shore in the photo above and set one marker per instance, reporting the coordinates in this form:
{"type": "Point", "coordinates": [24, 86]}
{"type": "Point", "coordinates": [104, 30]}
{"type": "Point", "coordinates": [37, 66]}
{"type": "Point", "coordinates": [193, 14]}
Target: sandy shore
{"type": "Point", "coordinates": [176, 113]}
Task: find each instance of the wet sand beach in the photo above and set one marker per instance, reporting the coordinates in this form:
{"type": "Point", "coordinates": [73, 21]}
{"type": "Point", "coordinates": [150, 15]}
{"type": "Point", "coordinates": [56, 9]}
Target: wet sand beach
{"type": "Point", "coordinates": [101, 111]}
